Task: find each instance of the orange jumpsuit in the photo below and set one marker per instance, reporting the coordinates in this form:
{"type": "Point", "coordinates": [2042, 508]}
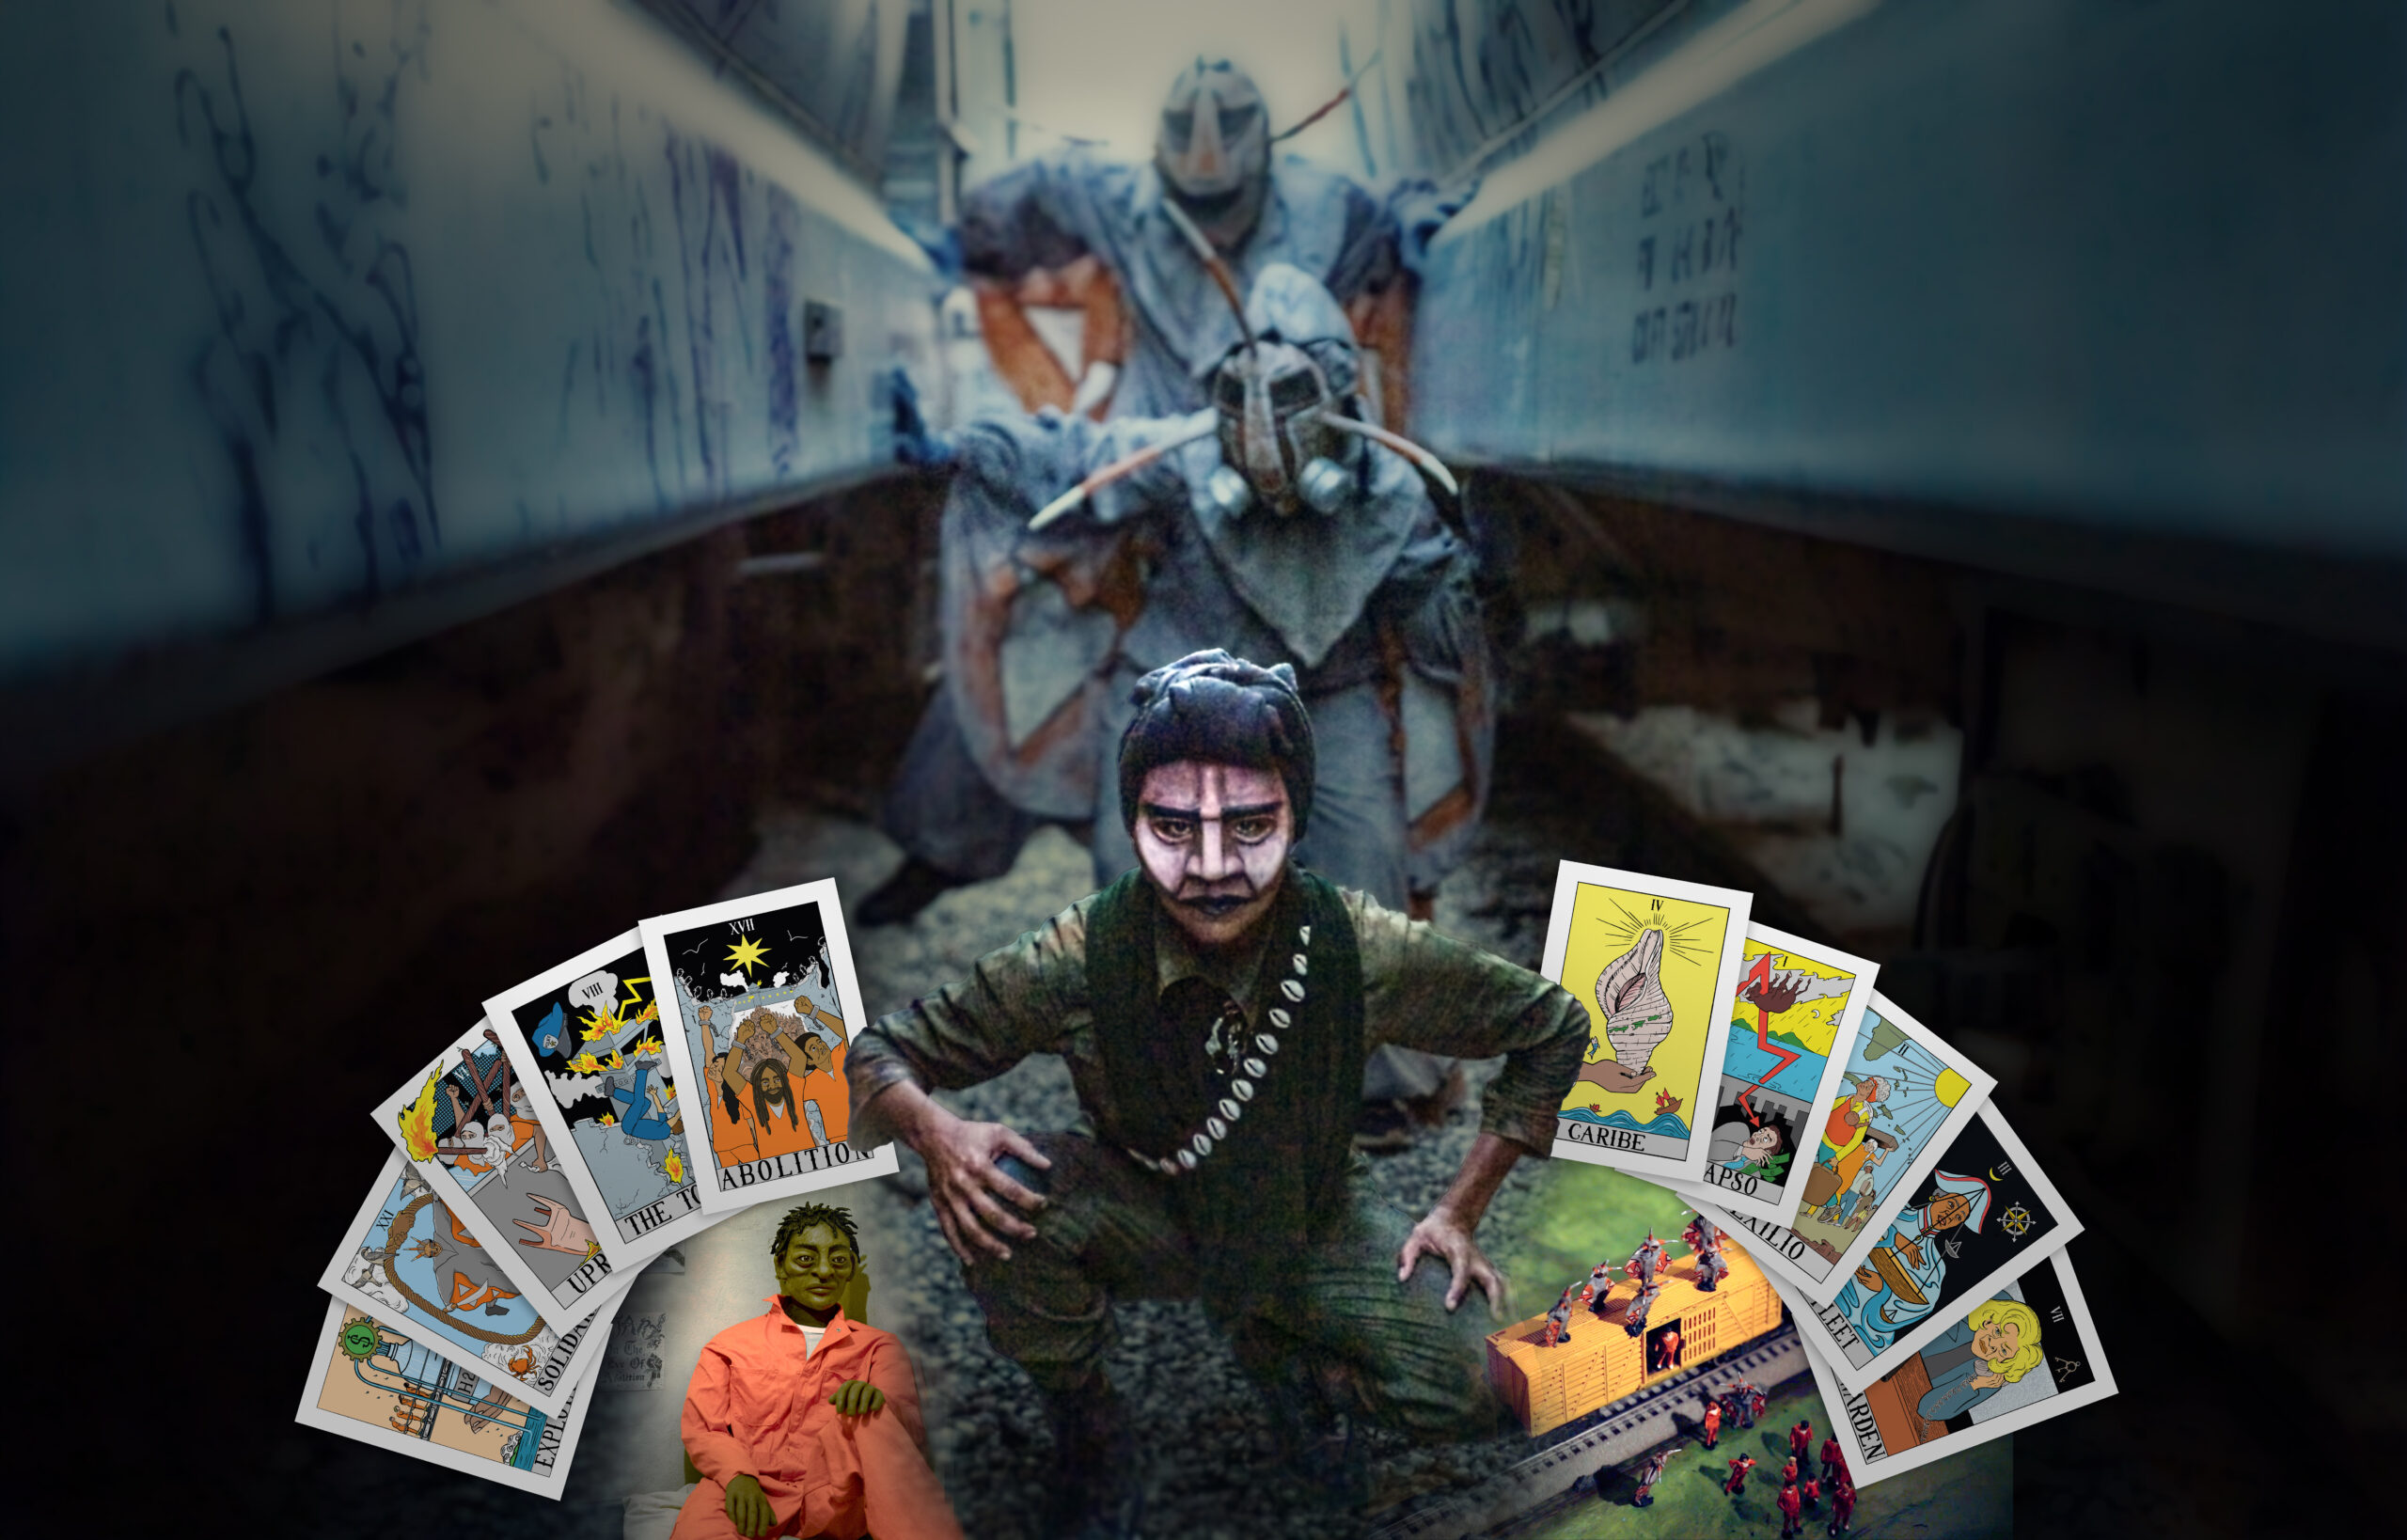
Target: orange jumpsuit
{"type": "Point", "coordinates": [828, 1091]}
{"type": "Point", "coordinates": [758, 1406]}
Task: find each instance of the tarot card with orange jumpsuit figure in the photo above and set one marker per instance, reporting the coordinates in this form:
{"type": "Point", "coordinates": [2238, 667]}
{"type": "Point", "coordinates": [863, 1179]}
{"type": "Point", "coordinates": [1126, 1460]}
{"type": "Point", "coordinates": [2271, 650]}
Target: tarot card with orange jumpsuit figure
{"type": "Point", "coordinates": [760, 1004]}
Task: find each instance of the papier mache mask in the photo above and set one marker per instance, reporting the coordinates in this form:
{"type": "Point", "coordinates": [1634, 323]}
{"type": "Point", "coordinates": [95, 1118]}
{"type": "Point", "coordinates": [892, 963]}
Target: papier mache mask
{"type": "Point", "coordinates": [1284, 404]}
{"type": "Point", "coordinates": [1213, 150]}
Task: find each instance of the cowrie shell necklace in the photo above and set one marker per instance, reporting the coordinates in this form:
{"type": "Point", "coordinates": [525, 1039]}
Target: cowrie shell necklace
{"type": "Point", "coordinates": [1246, 1068]}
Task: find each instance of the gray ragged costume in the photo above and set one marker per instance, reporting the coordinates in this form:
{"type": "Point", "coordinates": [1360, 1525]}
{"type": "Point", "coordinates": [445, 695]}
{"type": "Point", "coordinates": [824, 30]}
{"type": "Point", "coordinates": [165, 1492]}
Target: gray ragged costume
{"type": "Point", "coordinates": [992, 757]}
{"type": "Point", "coordinates": [1371, 603]}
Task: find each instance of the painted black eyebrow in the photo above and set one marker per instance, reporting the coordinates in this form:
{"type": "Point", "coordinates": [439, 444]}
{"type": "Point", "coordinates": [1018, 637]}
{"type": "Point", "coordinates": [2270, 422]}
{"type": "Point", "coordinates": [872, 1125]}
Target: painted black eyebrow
{"type": "Point", "coordinates": [1195, 815]}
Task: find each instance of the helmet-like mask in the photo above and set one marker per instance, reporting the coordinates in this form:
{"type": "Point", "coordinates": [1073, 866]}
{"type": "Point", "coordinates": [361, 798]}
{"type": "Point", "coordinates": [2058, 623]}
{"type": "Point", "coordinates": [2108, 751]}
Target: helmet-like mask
{"type": "Point", "coordinates": [1213, 150]}
{"type": "Point", "coordinates": [1276, 394]}
{"type": "Point", "coordinates": [1283, 402]}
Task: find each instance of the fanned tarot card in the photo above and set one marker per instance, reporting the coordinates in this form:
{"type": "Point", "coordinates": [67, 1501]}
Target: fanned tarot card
{"type": "Point", "coordinates": [469, 1126]}
{"type": "Point", "coordinates": [761, 1005]}
{"type": "Point", "coordinates": [1984, 1215]}
{"type": "Point", "coordinates": [2028, 1353]}
{"type": "Point", "coordinates": [375, 1383]}
{"type": "Point", "coordinates": [589, 1035]}
{"type": "Point", "coordinates": [1657, 962]}
{"type": "Point", "coordinates": [1795, 1017]}
{"type": "Point", "coordinates": [1902, 1098]}
{"type": "Point", "coordinates": [406, 1261]}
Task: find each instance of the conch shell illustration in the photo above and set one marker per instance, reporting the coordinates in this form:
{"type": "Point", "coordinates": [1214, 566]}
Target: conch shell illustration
{"type": "Point", "coordinates": [1638, 1016]}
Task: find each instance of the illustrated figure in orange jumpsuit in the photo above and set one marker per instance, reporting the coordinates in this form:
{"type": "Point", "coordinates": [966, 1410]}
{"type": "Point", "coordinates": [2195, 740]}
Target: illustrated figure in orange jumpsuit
{"type": "Point", "coordinates": [805, 1423]}
{"type": "Point", "coordinates": [1843, 1135]}
{"type": "Point", "coordinates": [822, 1083]}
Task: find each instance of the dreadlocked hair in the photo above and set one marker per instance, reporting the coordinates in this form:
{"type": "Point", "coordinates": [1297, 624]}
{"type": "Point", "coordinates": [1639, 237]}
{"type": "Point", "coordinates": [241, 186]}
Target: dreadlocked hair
{"type": "Point", "coordinates": [799, 1219]}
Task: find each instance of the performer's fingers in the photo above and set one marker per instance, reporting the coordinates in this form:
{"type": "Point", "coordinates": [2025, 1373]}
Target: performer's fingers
{"type": "Point", "coordinates": [1013, 1142]}
{"type": "Point", "coordinates": [973, 1228]}
{"type": "Point", "coordinates": [1491, 1283]}
{"type": "Point", "coordinates": [998, 1217]}
{"type": "Point", "coordinates": [951, 1237]}
{"type": "Point", "coordinates": [1002, 1186]}
{"type": "Point", "coordinates": [1413, 1246]}
{"type": "Point", "coordinates": [1460, 1283]}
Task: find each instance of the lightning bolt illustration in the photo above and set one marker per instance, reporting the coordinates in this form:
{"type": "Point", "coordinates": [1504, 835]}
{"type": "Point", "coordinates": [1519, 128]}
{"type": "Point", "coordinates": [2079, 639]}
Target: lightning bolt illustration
{"type": "Point", "coordinates": [1760, 976]}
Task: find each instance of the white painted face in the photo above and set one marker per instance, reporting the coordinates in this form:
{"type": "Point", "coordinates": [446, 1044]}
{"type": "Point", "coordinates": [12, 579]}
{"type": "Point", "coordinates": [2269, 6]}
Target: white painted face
{"type": "Point", "coordinates": [1213, 840]}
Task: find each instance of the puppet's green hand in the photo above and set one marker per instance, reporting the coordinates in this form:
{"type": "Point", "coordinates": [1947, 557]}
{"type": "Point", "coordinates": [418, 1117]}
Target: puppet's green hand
{"type": "Point", "coordinates": [857, 1398]}
{"type": "Point", "coordinates": [747, 1508]}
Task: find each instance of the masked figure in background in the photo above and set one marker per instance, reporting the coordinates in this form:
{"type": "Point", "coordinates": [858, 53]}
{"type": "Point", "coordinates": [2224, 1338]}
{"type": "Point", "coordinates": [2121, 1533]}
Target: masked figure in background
{"type": "Point", "coordinates": [1008, 741]}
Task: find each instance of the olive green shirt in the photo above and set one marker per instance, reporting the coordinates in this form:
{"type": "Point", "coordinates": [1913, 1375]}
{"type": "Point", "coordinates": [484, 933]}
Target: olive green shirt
{"type": "Point", "coordinates": [1422, 989]}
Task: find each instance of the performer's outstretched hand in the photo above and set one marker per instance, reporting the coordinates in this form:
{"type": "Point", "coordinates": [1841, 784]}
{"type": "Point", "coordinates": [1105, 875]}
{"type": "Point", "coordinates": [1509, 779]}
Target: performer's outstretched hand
{"type": "Point", "coordinates": [857, 1398]}
{"type": "Point", "coordinates": [1440, 1235]}
{"type": "Point", "coordinates": [747, 1508]}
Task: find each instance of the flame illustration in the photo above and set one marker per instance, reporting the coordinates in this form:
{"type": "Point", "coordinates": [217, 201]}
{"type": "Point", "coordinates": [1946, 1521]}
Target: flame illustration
{"type": "Point", "coordinates": [417, 1121]}
{"type": "Point", "coordinates": [675, 1168]}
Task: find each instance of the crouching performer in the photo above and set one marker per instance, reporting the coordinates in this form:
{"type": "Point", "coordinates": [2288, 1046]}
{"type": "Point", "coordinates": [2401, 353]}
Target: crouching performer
{"type": "Point", "coordinates": [1216, 1006]}
{"type": "Point", "coordinates": [805, 1423]}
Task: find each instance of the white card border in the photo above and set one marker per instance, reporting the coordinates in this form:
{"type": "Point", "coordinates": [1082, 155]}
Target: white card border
{"type": "Point", "coordinates": [331, 1281]}
{"type": "Point", "coordinates": [500, 1011]}
{"type": "Point", "coordinates": [1783, 1201]}
{"type": "Point", "coordinates": [1865, 1473]}
{"type": "Point", "coordinates": [878, 1162]}
{"type": "Point", "coordinates": [563, 1314]}
{"type": "Point", "coordinates": [572, 1416]}
{"type": "Point", "coordinates": [1568, 876]}
{"type": "Point", "coordinates": [1914, 1341]}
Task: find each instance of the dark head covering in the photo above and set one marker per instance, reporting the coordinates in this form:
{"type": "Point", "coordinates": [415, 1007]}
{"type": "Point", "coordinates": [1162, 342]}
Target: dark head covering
{"type": "Point", "coordinates": [1219, 708]}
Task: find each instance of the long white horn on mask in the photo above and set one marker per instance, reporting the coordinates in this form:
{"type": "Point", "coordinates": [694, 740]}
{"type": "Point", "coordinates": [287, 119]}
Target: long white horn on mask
{"type": "Point", "coordinates": [1124, 465]}
{"type": "Point", "coordinates": [1429, 464]}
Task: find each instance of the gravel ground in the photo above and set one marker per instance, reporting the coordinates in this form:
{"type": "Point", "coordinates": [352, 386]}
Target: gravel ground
{"type": "Point", "coordinates": [1215, 1461]}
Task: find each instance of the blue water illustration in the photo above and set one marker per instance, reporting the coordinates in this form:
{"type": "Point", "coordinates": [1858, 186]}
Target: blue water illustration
{"type": "Point", "coordinates": [1748, 1062]}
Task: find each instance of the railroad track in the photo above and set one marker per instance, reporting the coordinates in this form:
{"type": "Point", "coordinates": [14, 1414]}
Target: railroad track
{"type": "Point", "coordinates": [1540, 1486]}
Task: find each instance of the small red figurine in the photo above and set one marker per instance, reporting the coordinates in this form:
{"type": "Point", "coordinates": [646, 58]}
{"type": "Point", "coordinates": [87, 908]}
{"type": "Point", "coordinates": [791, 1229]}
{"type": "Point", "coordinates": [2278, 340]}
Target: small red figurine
{"type": "Point", "coordinates": [1842, 1505]}
{"type": "Point", "coordinates": [1788, 1474]}
{"type": "Point", "coordinates": [1756, 1401]}
{"type": "Point", "coordinates": [1800, 1440]}
{"type": "Point", "coordinates": [1712, 1423]}
{"type": "Point", "coordinates": [1834, 1458]}
{"type": "Point", "coordinates": [1789, 1523]}
{"type": "Point", "coordinates": [1811, 1490]}
{"type": "Point", "coordinates": [1739, 1468]}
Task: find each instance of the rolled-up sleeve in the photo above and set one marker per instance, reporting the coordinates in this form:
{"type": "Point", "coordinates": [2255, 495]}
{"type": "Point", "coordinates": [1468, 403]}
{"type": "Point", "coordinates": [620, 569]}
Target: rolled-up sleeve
{"type": "Point", "coordinates": [706, 1427]}
{"type": "Point", "coordinates": [1023, 998]}
{"type": "Point", "coordinates": [1423, 989]}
